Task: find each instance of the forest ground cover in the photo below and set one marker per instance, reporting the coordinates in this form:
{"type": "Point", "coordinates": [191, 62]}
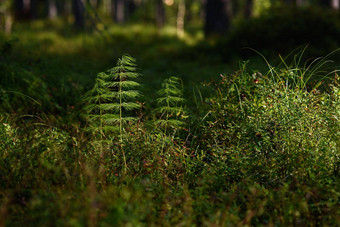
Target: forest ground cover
{"type": "Point", "coordinates": [259, 144]}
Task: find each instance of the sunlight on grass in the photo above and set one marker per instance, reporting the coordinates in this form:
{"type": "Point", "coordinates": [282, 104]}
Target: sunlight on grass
{"type": "Point", "coordinates": [54, 40]}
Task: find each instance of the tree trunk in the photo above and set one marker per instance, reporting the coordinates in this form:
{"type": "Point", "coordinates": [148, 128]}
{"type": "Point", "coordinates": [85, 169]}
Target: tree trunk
{"type": "Point", "coordinates": [64, 7]}
{"type": "Point", "coordinates": [33, 9]}
{"type": "Point", "coordinates": [235, 6]}
{"type": "Point", "coordinates": [131, 7]}
{"type": "Point", "coordinates": [203, 10]}
{"type": "Point", "coordinates": [18, 5]}
{"type": "Point", "coordinates": [217, 19]}
{"type": "Point", "coordinates": [160, 14]}
{"type": "Point", "coordinates": [119, 14]}
{"type": "Point", "coordinates": [8, 22]}
{"type": "Point", "coordinates": [26, 5]}
{"type": "Point", "coordinates": [180, 18]}
{"type": "Point", "coordinates": [336, 4]}
{"type": "Point", "coordinates": [248, 10]}
{"type": "Point", "coordinates": [98, 4]}
{"type": "Point", "coordinates": [52, 9]}
{"type": "Point", "coordinates": [78, 12]}
{"type": "Point", "coordinates": [20, 10]}
{"type": "Point", "coordinates": [188, 11]}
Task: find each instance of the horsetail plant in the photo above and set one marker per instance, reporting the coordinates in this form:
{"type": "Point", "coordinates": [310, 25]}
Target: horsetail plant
{"type": "Point", "coordinates": [169, 102]}
{"type": "Point", "coordinates": [111, 102]}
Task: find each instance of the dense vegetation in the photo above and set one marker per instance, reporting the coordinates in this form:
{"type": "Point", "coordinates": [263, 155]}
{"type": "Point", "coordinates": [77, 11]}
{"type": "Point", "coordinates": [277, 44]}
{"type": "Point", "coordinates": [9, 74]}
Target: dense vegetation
{"type": "Point", "coordinates": [90, 136]}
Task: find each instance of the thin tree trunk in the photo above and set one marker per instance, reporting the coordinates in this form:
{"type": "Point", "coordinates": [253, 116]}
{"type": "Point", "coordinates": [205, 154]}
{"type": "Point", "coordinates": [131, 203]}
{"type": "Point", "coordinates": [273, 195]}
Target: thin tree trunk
{"type": "Point", "coordinates": [131, 7]}
{"type": "Point", "coordinates": [19, 9]}
{"type": "Point", "coordinates": [119, 11]}
{"type": "Point", "coordinates": [217, 19]}
{"type": "Point", "coordinates": [98, 4]}
{"type": "Point", "coordinates": [18, 5]}
{"type": "Point", "coordinates": [203, 9]}
{"type": "Point", "coordinates": [62, 7]}
{"type": "Point", "coordinates": [33, 9]}
{"type": "Point", "coordinates": [26, 5]}
{"type": "Point", "coordinates": [188, 11]}
{"type": "Point", "coordinates": [336, 4]}
{"type": "Point", "coordinates": [248, 11]}
{"type": "Point", "coordinates": [52, 9]}
{"type": "Point", "coordinates": [160, 14]}
{"type": "Point", "coordinates": [235, 6]}
{"type": "Point", "coordinates": [180, 18]}
{"type": "Point", "coordinates": [8, 22]}
{"type": "Point", "coordinates": [78, 12]}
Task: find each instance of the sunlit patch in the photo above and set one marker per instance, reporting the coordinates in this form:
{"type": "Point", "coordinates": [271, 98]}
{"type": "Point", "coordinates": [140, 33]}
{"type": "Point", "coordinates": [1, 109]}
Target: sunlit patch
{"type": "Point", "coordinates": [168, 2]}
{"type": "Point", "coordinates": [100, 26]}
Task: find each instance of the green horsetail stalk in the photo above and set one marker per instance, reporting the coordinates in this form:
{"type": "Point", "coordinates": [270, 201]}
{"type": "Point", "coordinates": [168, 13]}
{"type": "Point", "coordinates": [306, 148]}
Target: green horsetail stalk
{"type": "Point", "coordinates": [111, 101]}
{"type": "Point", "coordinates": [169, 102]}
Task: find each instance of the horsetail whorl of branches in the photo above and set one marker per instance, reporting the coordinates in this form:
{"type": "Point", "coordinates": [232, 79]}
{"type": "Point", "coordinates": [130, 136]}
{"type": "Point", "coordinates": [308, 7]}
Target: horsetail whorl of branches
{"type": "Point", "coordinates": [113, 97]}
{"type": "Point", "coordinates": [169, 103]}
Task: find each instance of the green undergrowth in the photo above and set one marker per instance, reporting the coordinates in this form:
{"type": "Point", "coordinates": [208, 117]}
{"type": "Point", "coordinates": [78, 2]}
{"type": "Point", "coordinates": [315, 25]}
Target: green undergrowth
{"type": "Point", "coordinates": [262, 149]}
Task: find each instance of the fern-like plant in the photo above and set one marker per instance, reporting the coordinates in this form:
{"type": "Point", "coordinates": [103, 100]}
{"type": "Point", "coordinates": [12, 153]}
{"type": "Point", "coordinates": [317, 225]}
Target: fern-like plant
{"type": "Point", "coordinates": [111, 101]}
{"type": "Point", "coordinates": [170, 104]}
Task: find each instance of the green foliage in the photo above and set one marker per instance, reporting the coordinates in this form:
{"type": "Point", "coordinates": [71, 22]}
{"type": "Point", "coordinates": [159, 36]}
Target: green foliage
{"type": "Point", "coordinates": [112, 98]}
{"type": "Point", "coordinates": [273, 129]}
{"type": "Point", "coordinates": [267, 128]}
{"type": "Point", "coordinates": [111, 102]}
{"type": "Point", "coordinates": [20, 89]}
{"type": "Point", "coordinates": [170, 109]}
{"type": "Point", "coordinates": [264, 152]}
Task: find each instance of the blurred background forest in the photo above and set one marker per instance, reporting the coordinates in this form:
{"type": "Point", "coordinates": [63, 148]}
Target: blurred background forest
{"type": "Point", "coordinates": [64, 44]}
